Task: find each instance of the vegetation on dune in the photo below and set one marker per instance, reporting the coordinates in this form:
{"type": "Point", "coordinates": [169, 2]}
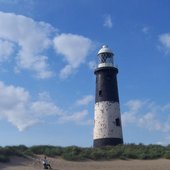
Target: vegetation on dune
{"type": "Point", "coordinates": [74, 153]}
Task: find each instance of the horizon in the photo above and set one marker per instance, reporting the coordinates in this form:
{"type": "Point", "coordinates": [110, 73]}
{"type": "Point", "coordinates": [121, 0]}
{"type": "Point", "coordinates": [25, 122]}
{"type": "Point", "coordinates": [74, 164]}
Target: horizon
{"type": "Point", "coordinates": [48, 52]}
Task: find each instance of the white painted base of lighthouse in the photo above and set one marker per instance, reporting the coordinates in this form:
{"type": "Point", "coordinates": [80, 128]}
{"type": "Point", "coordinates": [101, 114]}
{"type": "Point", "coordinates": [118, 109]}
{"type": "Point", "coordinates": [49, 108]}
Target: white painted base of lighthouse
{"type": "Point", "coordinates": [107, 123]}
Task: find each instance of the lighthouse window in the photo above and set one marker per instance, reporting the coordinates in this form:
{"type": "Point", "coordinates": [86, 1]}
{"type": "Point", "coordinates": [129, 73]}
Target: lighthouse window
{"type": "Point", "coordinates": [100, 92]}
{"type": "Point", "coordinates": [117, 122]}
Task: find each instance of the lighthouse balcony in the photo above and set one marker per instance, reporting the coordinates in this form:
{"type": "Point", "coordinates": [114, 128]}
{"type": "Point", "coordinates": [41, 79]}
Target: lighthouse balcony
{"type": "Point", "coordinates": [105, 65]}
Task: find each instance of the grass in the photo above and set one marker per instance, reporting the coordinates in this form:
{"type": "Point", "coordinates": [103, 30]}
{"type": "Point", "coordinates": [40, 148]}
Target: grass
{"type": "Point", "coordinates": [74, 153]}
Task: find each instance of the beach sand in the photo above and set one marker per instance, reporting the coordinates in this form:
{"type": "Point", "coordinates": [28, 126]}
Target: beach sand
{"type": "Point", "coordinates": [18, 163]}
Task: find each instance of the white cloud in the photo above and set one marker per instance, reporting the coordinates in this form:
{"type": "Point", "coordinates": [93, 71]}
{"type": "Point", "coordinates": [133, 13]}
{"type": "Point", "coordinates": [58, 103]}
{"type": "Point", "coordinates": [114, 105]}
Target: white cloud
{"type": "Point", "coordinates": [44, 96]}
{"type": "Point", "coordinates": [92, 65]}
{"type": "Point", "coordinates": [17, 107]}
{"type": "Point", "coordinates": [44, 108]}
{"type": "Point", "coordinates": [108, 21]}
{"type": "Point", "coordinates": [66, 71]}
{"type": "Point", "coordinates": [150, 122]}
{"type": "Point", "coordinates": [14, 106]}
{"type": "Point", "coordinates": [74, 48]}
{"type": "Point", "coordinates": [14, 1]}
{"type": "Point", "coordinates": [32, 39]}
{"type": "Point", "coordinates": [128, 118]}
{"type": "Point", "coordinates": [80, 117]}
{"type": "Point", "coordinates": [164, 39]}
{"type": "Point", "coordinates": [77, 117]}
{"type": "Point", "coordinates": [145, 114]}
{"type": "Point", "coordinates": [166, 107]}
{"type": "Point", "coordinates": [85, 100]}
{"type": "Point", "coordinates": [6, 49]}
{"type": "Point", "coordinates": [145, 30]}
{"type": "Point", "coordinates": [165, 141]}
{"type": "Point", "coordinates": [135, 105]}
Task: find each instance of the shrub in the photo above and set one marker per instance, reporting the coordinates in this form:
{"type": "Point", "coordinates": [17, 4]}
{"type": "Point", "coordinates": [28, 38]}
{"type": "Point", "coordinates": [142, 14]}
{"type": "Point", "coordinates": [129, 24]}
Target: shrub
{"type": "Point", "coordinates": [167, 153]}
{"type": "Point", "coordinates": [98, 154]}
{"type": "Point", "coordinates": [73, 153]}
{"type": "Point", "coordinates": [4, 158]}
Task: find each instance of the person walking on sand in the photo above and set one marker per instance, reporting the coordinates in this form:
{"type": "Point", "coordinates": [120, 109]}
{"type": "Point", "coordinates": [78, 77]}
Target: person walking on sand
{"type": "Point", "coordinates": [46, 163]}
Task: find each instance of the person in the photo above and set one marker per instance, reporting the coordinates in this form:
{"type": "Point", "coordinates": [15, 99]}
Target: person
{"type": "Point", "coordinates": [46, 163]}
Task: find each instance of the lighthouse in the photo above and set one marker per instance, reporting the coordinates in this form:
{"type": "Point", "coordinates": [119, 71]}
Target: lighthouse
{"type": "Point", "coordinates": [107, 117]}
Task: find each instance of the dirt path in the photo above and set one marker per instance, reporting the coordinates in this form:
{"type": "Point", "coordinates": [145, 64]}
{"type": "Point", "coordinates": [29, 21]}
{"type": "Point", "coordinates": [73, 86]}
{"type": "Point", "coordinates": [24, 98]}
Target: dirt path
{"type": "Point", "coordinates": [59, 164]}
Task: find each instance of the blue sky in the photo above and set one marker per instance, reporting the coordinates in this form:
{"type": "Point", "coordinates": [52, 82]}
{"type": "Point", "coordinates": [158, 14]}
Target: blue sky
{"type": "Point", "coordinates": [48, 52]}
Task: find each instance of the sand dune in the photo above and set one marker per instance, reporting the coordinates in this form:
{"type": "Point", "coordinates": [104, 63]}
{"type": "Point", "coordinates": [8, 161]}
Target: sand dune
{"type": "Point", "coordinates": [60, 164]}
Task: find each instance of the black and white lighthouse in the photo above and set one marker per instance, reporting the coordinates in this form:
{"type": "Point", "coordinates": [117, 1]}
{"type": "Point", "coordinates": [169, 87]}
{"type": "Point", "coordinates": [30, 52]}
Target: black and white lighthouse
{"type": "Point", "coordinates": [107, 118]}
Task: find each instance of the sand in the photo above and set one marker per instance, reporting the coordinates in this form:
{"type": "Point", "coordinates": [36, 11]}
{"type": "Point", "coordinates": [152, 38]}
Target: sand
{"type": "Point", "coordinates": [60, 164]}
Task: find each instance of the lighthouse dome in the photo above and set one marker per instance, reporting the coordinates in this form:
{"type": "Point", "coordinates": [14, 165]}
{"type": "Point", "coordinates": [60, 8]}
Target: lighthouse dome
{"type": "Point", "coordinates": [105, 49]}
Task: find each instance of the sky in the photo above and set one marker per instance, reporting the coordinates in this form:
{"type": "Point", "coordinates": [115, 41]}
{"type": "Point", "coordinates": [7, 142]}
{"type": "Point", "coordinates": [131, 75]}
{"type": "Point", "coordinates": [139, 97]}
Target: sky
{"type": "Point", "coordinates": [48, 53]}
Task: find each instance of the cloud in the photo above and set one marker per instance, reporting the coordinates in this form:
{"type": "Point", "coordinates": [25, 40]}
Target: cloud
{"type": "Point", "coordinates": [108, 21]}
{"type": "Point", "coordinates": [146, 114]}
{"type": "Point", "coordinates": [32, 39]}
{"type": "Point", "coordinates": [27, 5]}
{"type": "Point", "coordinates": [14, 106]}
{"type": "Point", "coordinates": [150, 122]}
{"type": "Point", "coordinates": [12, 1]}
{"type": "Point", "coordinates": [145, 30]}
{"type": "Point", "coordinates": [66, 71]}
{"type": "Point", "coordinates": [164, 140]}
{"type": "Point", "coordinates": [92, 65]}
{"type": "Point", "coordinates": [44, 96]}
{"type": "Point", "coordinates": [135, 105]}
{"type": "Point", "coordinates": [166, 107]}
{"type": "Point", "coordinates": [6, 49]}
{"type": "Point", "coordinates": [44, 108]}
{"type": "Point", "coordinates": [18, 108]}
{"type": "Point", "coordinates": [80, 117]}
{"type": "Point", "coordinates": [74, 48]}
{"type": "Point", "coordinates": [9, 1]}
{"type": "Point", "coordinates": [77, 117]}
{"type": "Point", "coordinates": [85, 100]}
{"type": "Point", "coordinates": [164, 39]}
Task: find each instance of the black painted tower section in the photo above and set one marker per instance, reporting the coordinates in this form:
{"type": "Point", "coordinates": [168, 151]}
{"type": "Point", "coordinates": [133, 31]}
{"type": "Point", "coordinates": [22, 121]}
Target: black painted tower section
{"type": "Point", "coordinates": [106, 84]}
